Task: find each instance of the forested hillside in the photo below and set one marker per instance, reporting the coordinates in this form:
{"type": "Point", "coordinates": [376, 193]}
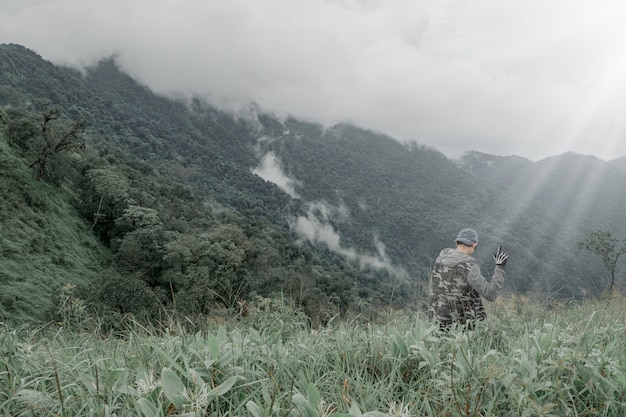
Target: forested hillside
{"type": "Point", "coordinates": [182, 206]}
{"type": "Point", "coordinates": [413, 200]}
{"type": "Point", "coordinates": [43, 241]}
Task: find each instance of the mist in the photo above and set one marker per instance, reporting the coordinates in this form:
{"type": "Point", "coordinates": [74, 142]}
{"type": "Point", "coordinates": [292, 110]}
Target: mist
{"type": "Point", "coordinates": [532, 79]}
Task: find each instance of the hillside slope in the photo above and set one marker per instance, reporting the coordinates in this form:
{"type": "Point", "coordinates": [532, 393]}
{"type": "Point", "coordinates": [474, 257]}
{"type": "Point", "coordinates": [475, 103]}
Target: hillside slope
{"type": "Point", "coordinates": [337, 205]}
{"type": "Point", "coordinates": [413, 200]}
{"type": "Point", "coordinates": [44, 242]}
{"type": "Point", "coordinates": [574, 194]}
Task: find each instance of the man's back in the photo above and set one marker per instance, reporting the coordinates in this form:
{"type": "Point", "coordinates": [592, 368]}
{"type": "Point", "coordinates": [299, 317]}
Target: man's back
{"type": "Point", "coordinates": [452, 299]}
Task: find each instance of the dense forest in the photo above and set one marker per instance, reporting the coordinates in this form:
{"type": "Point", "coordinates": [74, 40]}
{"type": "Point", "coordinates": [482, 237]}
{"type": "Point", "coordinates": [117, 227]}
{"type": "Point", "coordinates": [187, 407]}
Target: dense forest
{"type": "Point", "coordinates": [135, 203]}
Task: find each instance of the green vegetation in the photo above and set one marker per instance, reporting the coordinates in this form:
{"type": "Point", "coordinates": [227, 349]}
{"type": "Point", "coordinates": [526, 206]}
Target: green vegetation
{"type": "Point", "coordinates": [44, 243]}
{"type": "Point", "coordinates": [135, 242]}
{"type": "Point", "coordinates": [525, 361]}
{"type": "Point", "coordinates": [148, 206]}
{"type": "Point", "coordinates": [145, 270]}
{"type": "Point", "coordinates": [159, 208]}
{"type": "Point", "coordinates": [608, 248]}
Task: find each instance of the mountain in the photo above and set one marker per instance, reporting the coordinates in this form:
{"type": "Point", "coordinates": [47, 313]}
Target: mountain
{"type": "Point", "coordinates": [572, 191]}
{"type": "Point", "coordinates": [619, 163]}
{"type": "Point", "coordinates": [197, 206]}
{"type": "Point", "coordinates": [574, 194]}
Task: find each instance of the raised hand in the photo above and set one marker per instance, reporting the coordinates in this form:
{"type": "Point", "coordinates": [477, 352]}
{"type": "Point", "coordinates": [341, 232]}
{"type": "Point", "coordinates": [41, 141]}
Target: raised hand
{"type": "Point", "coordinates": [500, 257]}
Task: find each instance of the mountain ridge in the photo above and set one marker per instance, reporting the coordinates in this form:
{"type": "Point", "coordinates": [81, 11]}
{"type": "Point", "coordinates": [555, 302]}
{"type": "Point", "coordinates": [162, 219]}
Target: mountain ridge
{"type": "Point", "coordinates": [359, 215]}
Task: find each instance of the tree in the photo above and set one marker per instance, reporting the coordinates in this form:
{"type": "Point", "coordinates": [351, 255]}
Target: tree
{"type": "Point", "coordinates": [136, 217]}
{"type": "Point", "coordinates": [55, 137]}
{"type": "Point", "coordinates": [142, 242]}
{"type": "Point", "coordinates": [120, 294]}
{"type": "Point", "coordinates": [608, 248]}
{"type": "Point", "coordinates": [141, 252]}
{"type": "Point", "coordinates": [111, 190]}
{"type": "Point", "coordinates": [208, 269]}
{"type": "Point", "coordinates": [21, 130]}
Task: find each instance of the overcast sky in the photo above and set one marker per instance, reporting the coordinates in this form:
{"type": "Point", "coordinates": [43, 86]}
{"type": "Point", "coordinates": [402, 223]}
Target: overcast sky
{"type": "Point", "coordinates": [533, 78]}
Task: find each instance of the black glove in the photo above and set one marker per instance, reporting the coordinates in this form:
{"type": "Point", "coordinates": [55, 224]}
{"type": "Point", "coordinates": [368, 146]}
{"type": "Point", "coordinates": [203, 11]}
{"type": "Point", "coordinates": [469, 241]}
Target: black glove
{"type": "Point", "coordinates": [500, 257]}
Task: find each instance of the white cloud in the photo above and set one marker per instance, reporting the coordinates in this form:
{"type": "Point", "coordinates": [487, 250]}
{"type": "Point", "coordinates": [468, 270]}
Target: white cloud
{"type": "Point", "coordinates": [269, 169]}
{"type": "Point", "coordinates": [532, 78]}
{"type": "Point", "coordinates": [316, 228]}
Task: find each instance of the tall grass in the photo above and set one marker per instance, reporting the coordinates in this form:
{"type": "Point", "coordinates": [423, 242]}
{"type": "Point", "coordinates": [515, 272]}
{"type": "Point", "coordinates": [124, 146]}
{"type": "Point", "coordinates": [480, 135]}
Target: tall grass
{"type": "Point", "coordinates": [525, 361]}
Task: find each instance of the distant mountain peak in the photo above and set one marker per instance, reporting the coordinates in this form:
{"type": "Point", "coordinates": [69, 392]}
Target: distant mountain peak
{"type": "Point", "coordinates": [479, 162]}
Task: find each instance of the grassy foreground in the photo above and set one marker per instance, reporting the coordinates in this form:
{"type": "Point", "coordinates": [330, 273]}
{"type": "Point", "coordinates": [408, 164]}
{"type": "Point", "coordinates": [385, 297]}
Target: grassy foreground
{"type": "Point", "coordinates": [526, 361]}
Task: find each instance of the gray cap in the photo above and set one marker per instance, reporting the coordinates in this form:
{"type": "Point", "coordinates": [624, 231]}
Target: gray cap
{"type": "Point", "coordinates": [467, 236]}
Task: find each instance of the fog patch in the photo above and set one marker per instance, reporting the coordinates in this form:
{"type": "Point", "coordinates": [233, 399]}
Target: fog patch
{"type": "Point", "coordinates": [270, 170]}
{"type": "Point", "coordinates": [316, 228]}
{"type": "Point", "coordinates": [249, 113]}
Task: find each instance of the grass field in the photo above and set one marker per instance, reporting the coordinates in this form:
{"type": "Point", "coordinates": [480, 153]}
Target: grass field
{"type": "Point", "coordinates": [527, 360]}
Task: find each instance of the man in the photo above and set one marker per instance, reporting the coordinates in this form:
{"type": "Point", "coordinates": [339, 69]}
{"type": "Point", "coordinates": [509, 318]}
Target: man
{"type": "Point", "coordinates": [457, 284]}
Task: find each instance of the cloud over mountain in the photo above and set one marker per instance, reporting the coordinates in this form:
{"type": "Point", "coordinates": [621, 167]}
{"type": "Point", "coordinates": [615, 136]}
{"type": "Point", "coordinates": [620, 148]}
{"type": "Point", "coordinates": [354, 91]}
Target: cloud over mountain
{"type": "Point", "coordinates": [533, 79]}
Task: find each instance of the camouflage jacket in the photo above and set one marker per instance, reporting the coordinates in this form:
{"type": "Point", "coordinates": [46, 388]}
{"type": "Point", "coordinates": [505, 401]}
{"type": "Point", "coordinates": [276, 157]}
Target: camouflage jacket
{"type": "Point", "coordinates": [456, 288]}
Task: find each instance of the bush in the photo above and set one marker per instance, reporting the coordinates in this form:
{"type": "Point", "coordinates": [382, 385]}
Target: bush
{"type": "Point", "coordinates": [120, 295]}
{"type": "Point", "coordinates": [275, 316]}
